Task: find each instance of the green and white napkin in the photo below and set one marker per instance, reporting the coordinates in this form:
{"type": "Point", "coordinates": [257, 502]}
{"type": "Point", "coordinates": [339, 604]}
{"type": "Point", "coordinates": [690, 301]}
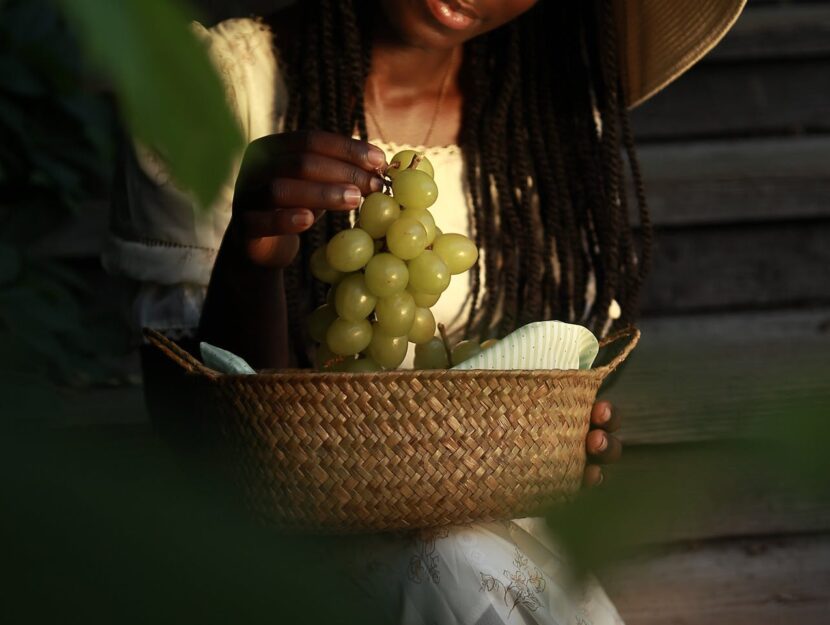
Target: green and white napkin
{"type": "Point", "coordinates": [540, 345]}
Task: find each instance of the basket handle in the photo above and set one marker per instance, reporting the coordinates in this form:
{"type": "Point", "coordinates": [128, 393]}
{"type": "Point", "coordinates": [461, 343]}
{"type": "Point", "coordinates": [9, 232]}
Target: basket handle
{"type": "Point", "coordinates": [633, 336]}
{"type": "Point", "coordinates": [174, 352]}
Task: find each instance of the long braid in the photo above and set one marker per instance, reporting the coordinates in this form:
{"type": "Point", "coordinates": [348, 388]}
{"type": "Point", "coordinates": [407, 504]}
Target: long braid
{"type": "Point", "coordinates": [646, 230]}
{"type": "Point", "coordinates": [497, 150]}
{"type": "Point", "coordinates": [528, 131]}
{"type": "Point", "coordinates": [474, 79]}
{"type": "Point", "coordinates": [552, 183]}
{"type": "Point", "coordinates": [607, 102]}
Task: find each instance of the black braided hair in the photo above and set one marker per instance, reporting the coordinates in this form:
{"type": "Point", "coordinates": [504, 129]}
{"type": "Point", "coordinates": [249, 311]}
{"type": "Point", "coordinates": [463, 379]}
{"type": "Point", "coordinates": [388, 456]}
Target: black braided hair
{"type": "Point", "coordinates": [545, 137]}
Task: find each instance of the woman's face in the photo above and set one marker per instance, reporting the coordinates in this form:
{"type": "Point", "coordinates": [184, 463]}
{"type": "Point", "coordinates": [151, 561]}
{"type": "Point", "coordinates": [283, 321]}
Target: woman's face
{"type": "Point", "coordinates": [448, 23]}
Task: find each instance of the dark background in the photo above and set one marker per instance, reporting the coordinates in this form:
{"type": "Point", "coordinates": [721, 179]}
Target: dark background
{"type": "Point", "coordinates": [736, 156]}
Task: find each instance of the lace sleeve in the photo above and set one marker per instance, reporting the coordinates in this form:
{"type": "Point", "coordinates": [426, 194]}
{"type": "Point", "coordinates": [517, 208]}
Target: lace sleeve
{"type": "Point", "coordinates": [157, 238]}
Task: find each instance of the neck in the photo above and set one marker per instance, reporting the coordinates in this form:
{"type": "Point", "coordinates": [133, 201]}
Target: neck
{"type": "Point", "coordinates": [400, 71]}
{"type": "Point", "coordinates": [412, 93]}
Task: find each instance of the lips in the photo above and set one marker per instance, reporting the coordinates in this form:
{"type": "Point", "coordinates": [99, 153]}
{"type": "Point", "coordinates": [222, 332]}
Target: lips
{"type": "Point", "coordinates": [453, 13]}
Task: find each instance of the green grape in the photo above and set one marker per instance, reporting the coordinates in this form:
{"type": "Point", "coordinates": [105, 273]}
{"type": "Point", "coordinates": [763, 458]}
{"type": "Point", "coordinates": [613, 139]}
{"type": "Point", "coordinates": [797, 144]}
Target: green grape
{"type": "Point", "coordinates": [349, 250]}
{"type": "Point", "coordinates": [428, 273]}
{"type": "Point", "coordinates": [423, 327]}
{"type": "Point", "coordinates": [424, 300]}
{"type": "Point", "coordinates": [426, 219]}
{"type": "Point", "coordinates": [362, 365]}
{"type": "Point", "coordinates": [395, 314]}
{"type": "Point", "coordinates": [319, 321]}
{"type": "Point", "coordinates": [377, 213]}
{"type": "Point", "coordinates": [386, 275]}
{"type": "Point", "coordinates": [414, 189]}
{"type": "Point", "coordinates": [387, 350]}
{"type": "Point", "coordinates": [321, 269]}
{"type": "Point", "coordinates": [488, 344]}
{"type": "Point", "coordinates": [457, 251]}
{"type": "Point", "coordinates": [404, 158]}
{"type": "Point", "coordinates": [464, 351]}
{"type": "Point", "coordinates": [353, 300]}
{"type": "Point", "coordinates": [347, 338]}
{"type": "Point", "coordinates": [406, 238]}
{"type": "Point", "coordinates": [330, 296]}
{"type": "Point", "coordinates": [431, 355]}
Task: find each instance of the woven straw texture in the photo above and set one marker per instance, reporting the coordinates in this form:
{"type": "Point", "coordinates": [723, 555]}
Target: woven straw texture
{"type": "Point", "coordinates": [338, 452]}
{"type": "Point", "coordinates": [661, 39]}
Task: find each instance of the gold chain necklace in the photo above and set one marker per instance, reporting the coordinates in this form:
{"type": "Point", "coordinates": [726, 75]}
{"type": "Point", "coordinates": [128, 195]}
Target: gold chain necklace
{"type": "Point", "coordinates": [425, 143]}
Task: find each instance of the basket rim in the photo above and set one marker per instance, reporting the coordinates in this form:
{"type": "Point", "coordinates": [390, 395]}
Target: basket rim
{"type": "Point", "coordinates": [194, 366]}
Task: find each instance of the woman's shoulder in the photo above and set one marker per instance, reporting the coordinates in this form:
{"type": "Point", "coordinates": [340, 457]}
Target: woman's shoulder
{"type": "Point", "coordinates": [244, 52]}
{"type": "Point", "coordinates": [245, 39]}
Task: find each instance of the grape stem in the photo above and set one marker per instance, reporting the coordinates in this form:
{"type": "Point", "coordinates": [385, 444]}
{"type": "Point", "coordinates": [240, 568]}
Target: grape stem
{"type": "Point", "coordinates": [442, 329]}
{"type": "Point", "coordinates": [416, 160]}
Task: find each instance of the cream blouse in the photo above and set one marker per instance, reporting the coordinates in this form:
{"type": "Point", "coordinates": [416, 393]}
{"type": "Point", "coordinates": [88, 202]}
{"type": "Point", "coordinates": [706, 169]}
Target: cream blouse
{"type": "Point", "coordinates": [167, 248]}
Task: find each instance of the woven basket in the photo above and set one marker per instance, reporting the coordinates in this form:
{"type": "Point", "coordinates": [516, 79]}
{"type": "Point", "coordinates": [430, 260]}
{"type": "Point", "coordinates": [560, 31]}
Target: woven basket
{"type": "Point", "coordinates": [364, 452]}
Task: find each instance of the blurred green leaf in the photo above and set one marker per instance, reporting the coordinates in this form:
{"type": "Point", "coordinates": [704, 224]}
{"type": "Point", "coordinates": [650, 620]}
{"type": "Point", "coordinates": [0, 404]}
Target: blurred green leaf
{"type": "Point", "coordinates": [18, 78]}
{"type": "Point", "coordinates": [108, 528]}
{"type": "Point", "coordinates": [170, 93]}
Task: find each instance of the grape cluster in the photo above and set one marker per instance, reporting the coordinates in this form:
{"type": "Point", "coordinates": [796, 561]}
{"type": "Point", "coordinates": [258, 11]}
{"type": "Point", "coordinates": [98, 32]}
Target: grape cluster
{"type": "Point", "coordinates": [386, 273]}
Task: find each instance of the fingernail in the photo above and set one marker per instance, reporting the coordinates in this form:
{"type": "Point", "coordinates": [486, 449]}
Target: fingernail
{"type": "Point", "coordinates": [601, 478]}
{"type": "Point", "coordinates": [604, 444]}
{"type": "Point", "coordinates": [606, 414]}
{"type": "Point", "coordinates": [376, 184]}
{"type": "Point", "coordinates": [302, 219]}
{"type": "Point", "coordinates": [351, 196]}
{"type": "Point", "coordinates": [376, 157]}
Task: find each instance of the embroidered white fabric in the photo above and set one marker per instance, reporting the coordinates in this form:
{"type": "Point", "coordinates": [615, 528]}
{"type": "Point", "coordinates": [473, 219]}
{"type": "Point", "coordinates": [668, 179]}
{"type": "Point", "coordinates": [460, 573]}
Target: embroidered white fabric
{"type": "Point", "coordinates": [507, 573]}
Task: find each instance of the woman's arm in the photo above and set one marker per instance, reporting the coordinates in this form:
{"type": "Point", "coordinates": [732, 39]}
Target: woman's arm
{"type": "Point", "coordinates": [245, 309]}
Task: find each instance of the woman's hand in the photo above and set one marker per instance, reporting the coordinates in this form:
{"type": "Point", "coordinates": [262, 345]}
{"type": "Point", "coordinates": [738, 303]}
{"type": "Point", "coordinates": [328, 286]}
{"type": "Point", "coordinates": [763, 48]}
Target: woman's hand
{"type": "Point", "coordinates": [286, 181]}
{"type": "Point", "coordinates": [601, 445]}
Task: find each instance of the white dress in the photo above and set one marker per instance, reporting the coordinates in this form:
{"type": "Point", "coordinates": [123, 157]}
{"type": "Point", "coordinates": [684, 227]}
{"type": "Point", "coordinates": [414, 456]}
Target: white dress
{"type": "Point", "coordinates": [486, 573]}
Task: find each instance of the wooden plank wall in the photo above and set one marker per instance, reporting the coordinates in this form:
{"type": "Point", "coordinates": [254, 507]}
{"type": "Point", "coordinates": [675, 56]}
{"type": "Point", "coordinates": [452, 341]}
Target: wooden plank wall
{"type": "Point", "coordinates": [736, 157]}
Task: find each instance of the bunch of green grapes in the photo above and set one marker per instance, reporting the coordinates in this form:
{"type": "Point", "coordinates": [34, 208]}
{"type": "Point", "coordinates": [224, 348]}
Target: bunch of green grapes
{"type": "Point", "coordinates": [386, 273]}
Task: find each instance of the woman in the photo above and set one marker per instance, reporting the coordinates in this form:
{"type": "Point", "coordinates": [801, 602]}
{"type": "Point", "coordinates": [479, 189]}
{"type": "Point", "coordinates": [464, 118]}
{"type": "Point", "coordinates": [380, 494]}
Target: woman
{"type": "Point", "coordinates": [521, 107]}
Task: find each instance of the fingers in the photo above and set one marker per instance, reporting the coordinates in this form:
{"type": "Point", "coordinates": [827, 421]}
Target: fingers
{"type": "Point", "coordinates": [605, 417]}
{"type": "Point", "coordinates": [602, 447]}
{"type": "Point", "coordinates": [317, 168]}
{"type": "Point", "coordinates": [290, 193]}
{"type": "Point", "coordinates": [287, 180]}
{"type": "Point", "coordinates": [359, 153]}
{"type": "Point", "coordinates": [261, 223]}
{"type": "Point", "coordinates": [593, 476]}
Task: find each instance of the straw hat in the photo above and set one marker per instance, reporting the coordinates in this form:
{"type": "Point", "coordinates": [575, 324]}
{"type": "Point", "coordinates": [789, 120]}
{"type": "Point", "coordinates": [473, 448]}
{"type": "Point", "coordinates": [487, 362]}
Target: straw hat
{"type": "Point", "coordinates": [661, 39]}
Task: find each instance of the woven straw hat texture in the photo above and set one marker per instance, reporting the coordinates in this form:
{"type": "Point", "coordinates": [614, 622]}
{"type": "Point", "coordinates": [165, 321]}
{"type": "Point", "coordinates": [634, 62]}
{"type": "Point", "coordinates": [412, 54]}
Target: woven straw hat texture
{"type": "Point", "coordinates": [661, 39]}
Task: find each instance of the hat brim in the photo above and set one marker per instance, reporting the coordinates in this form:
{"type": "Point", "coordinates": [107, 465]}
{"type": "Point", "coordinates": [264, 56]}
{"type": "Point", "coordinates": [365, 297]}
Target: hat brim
{"type": "Point", "coordinates": [661, 39]}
